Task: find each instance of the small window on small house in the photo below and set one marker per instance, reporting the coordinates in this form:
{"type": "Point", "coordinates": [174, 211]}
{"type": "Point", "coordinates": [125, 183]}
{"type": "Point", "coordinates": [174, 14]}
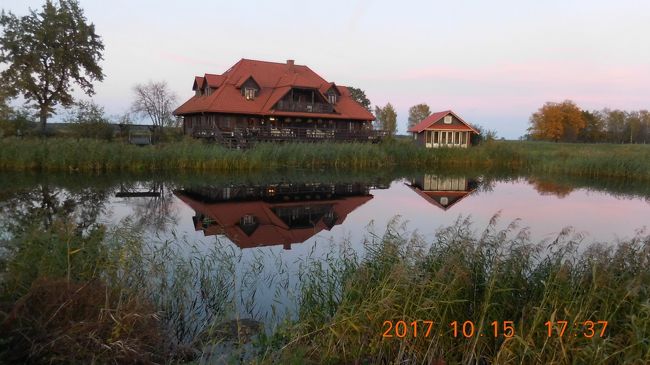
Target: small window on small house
{"type": "Point", "coordinates": [448, 119]}
{"type": "Point", "coordinates": [249, 93]}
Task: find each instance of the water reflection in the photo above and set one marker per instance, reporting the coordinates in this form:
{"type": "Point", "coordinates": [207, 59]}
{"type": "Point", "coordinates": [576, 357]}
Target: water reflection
{"type": "Point", "coordinates": [443, 191]}
{"type": "Point", "coordinates": [254, 215]}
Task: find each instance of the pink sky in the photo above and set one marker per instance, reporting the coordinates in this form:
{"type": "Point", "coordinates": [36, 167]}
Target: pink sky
{"type": "Point", "coordinates": [494, 63]}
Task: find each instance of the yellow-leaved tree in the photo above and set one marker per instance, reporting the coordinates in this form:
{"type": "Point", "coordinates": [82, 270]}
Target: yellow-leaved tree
{"type": "Point", "coordinates": [557, 122]}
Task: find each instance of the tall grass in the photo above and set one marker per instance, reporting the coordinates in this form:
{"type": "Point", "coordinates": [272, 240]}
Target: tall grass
{"type": "Point", "coordinates": [625, 161]}
{"type": "Point", "coordinates": [498, 275]}
{"type": "Point", "coordinates": [115, 295]}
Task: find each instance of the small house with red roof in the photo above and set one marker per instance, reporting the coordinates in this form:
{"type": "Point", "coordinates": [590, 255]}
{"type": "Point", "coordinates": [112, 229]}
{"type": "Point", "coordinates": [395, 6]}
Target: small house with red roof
{"type": "Point", "coordinates": [443, 129]}
{"type": "Point", "coordinates": [270, 101]}
{"type": "Point", "coordinates": [443, 191]}
{"type": "Point", "coordinates": [272, 214]}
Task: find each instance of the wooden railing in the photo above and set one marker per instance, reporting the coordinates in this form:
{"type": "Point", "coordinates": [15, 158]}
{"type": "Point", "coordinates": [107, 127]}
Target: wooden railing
{"type": "Point", "coordinates": [243, 136]}
{"type": "Point", "coordinates": [294, 106]}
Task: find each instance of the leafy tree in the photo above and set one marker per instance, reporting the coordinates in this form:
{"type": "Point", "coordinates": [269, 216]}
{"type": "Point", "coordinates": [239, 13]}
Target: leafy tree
{"type": "Point", "coordinates": [360, 97]}
{"type": "Point", "coordinates": [418, 113]}
{"type": "Point", "coordinates": [89, 121]}
{"type": "Point", "coordinates": [557, 122]}
{"type": "Point", "coordinates": [594, 127]}
{"type": "Point", "coordinates": [615, 121]}
{"type": "Point", "coordinates": [484, 135]}
{"type": "Point", "coordinates": [156, 101]}
{"type": "Point", "coordinates": [18, 122]}
{"type": "Point", "coordinates": [5, 109]}
{"type": "Point", "coordinates": [387, 118]}
{"type": "Point", "coordinates": [48, 50]}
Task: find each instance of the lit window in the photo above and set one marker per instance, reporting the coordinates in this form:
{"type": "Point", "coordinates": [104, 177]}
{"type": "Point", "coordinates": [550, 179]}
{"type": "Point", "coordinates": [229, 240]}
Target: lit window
{"type": "Point", "coordinates": [249, 93]}
{"type": "Point", "coordinates": [448, 119]}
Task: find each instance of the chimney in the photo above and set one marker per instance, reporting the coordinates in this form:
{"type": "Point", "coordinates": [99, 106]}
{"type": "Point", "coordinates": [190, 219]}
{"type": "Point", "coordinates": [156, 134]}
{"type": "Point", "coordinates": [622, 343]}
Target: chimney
{"type": "Point", "coordinates": [290, 64]}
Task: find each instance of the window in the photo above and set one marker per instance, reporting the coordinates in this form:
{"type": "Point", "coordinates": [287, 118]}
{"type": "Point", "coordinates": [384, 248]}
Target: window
{"type": "Point", "coordinates": [247, 219]}
{"type": "Point", "coordinates": [457, 134]}
{"type": "Point", "coordinates": [444, 200]}
{"type": "Point", "coordinates": [448, 119]}
{"type": "Point", "coordinates": [435, 137]}
{"type": "Point", "coordinates": [249, 93]}
{"type": "Point", "coordinates": [332, 98]}
{"type": "Point", "coordinates": [207, 91]}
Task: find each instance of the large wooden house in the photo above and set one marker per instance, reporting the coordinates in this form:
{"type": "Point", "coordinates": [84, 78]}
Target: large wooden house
{"type": "Point", "coordinates": [443, 129]}
{"type": "Point", "coordinates": [269, 101]}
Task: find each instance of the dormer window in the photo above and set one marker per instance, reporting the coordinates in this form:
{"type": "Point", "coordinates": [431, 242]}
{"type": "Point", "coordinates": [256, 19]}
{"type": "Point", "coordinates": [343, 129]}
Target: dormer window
{"type": "Point", "coordinates": [448, 119]}
{"type": "Point", "coordinates": [249, 93]}
{"type": "Point", "coordinates": [207, 91]}
{"type": "Point", "coordinates": [332, 98]}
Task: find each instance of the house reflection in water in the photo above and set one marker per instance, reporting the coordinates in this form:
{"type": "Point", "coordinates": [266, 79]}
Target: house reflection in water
{"type": "Point", "coordinates": [443, 191]}
{"type": "Point", "coordinates": [273, 214]}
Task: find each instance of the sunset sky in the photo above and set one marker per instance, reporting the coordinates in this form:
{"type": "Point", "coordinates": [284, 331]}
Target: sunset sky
{"type": "Point", "coordinates": [493, 62]}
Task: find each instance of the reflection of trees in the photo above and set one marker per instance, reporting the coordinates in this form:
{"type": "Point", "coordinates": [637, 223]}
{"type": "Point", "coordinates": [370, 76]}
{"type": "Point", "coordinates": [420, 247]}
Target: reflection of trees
{"type": "Point", "coordinates": [42, 205]}
{"type": "Point", "coordinates": [547, 187]}
{"type": "Point", "coordinates": [155, 213]}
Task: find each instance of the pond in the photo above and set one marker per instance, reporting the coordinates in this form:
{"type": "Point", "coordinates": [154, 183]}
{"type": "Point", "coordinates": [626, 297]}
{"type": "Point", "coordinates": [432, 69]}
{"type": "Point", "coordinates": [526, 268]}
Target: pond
{"type": "Point", "coordinates": [253, 234]}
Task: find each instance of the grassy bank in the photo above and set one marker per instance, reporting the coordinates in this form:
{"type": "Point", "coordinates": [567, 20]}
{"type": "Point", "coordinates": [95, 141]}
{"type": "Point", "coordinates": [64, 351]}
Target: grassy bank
{"type": "Point", "coordinates": [108, 296]}
{"type": "Point", "coordinates": [627, 161]}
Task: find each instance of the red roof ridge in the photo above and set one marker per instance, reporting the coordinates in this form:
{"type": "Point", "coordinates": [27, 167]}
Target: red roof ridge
{"type": "Point", "coordinates": [435, 117]}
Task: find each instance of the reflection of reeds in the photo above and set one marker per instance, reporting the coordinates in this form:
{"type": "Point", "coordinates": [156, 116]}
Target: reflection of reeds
{"type": "Point", "coordinates": [176, 299]}
{"type": "Point", "coordinates": [603, 160]}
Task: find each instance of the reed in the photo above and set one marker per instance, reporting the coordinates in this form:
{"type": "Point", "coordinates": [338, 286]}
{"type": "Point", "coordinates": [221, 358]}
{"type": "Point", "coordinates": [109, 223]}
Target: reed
{"type": "Point", "coordinates": [588, 160]}
{"type": "Point", "coordinates": [118, 295]}
{"type": "Point", "coordinates": [493, 281]}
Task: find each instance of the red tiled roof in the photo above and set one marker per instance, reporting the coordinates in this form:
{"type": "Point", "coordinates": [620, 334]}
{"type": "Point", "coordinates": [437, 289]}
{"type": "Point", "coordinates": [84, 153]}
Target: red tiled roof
{"type": "Point", "coordinates": [214, 80]}
{"type": "Point", "coordinates": [275, 80]}
{"type": "Point", "coordinates": [431, 196]}
{"type": "Point", "coordinates": [428, 123]}
{"type": "Point", "coordinates": [271, 230]}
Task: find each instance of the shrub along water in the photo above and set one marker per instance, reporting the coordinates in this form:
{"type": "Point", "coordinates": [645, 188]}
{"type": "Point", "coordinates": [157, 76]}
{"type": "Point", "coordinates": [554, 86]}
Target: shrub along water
{"type": "Point", "coordinates": [588, 160]}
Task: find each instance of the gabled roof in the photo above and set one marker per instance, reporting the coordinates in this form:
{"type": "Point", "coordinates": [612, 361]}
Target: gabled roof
{"type": "Point", "coordinates": [214, 80]}
{"type": "Point", "coordinates": [434, 197]}
{"type": "Point", "coordinates": [275, 80]}
{"type": "Point", "coordinates": [271, 229]}
{"type": "Point", "coordinates": [436, 117]}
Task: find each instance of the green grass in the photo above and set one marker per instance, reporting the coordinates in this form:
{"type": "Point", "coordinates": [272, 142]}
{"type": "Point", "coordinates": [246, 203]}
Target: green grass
{"type": "Point", "coordinates": [588, 160]}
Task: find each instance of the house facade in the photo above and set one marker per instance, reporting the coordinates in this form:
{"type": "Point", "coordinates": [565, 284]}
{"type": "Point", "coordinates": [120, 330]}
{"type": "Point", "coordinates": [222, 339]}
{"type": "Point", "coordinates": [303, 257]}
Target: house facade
{"type": "Point", "coordinates": [275, 213]}
{"type": "Point", "coordinates": [443, 129]}
{"type": "Point", "coordinates": [443, 191]}
{"type": "Point", "coordinates": [259, 100]}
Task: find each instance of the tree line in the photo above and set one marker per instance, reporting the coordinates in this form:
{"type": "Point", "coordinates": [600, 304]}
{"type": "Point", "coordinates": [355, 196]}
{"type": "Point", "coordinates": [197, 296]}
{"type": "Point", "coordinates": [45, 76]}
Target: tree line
{"type": "Point", "coordinates": [566, 122]}
{"type": "Point", "coordinates": [48, 51]}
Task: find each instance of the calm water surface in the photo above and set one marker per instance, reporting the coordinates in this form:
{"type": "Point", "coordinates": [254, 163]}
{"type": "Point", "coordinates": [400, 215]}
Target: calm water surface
{"type": "Point", "coordinates": [271, 224]}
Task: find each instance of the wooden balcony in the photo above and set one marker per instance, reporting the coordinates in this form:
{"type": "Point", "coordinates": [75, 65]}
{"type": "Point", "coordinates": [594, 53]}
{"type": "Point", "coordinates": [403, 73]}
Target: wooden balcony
{"type": "Point", "coordinates": [243, 137]}
{"type": "Point", "coordinates": [304, 107]}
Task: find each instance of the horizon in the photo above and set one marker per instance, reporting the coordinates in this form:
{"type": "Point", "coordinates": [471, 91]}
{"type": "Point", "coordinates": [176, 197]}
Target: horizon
{"type": "Point", "coordinates": [492, 65]}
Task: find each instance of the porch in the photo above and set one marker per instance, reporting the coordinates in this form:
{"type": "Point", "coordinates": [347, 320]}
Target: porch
{"type": "Point", "coordinates": [244, 137]}
{"type": "Point", "coordinates": [436, 138]}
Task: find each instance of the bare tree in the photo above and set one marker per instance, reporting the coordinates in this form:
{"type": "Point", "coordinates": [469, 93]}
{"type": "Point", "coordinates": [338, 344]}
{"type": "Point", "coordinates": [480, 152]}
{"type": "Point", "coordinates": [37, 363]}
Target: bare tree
{"type": "Point", "coordinates": [156, 101]}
